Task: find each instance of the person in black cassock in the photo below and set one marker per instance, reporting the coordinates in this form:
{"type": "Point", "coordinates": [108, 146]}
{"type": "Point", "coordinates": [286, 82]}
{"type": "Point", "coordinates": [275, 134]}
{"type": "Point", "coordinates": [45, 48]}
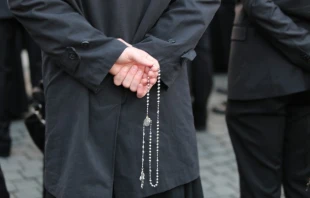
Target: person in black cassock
{"type": "Point", "coordinates": [94, 126]}
{"type": "Point", "coordinates": [268, 109]}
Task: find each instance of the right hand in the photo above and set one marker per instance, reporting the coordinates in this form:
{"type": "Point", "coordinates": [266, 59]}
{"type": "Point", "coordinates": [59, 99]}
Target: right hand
{"type": "Point", "coordinates": [132, 69]}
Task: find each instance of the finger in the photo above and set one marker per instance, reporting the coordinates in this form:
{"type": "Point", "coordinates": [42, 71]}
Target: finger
{"type": "Point", "coordinates": [152, 74]}
{"type": "Point", "coordinates": [124, 42]}
{"type": "Point", "coordinates": [144, 81]}
{"type": "Point", "coordinates": [153, 81]}
{"type": "Point", "coordinates": [156, 65]}
{"type": "Point", "coordinates": [146, 70]}
{"type": "Point", "coordinates": [141, 91]}
{"type": "Point", "coordinates": [120, 76]}
{"type": "Point", "coordinates": [136, 81]}
{"type": "Point", "coordinates": [145, 75]}
{"type": "Point", "coordinates": [129, 77]}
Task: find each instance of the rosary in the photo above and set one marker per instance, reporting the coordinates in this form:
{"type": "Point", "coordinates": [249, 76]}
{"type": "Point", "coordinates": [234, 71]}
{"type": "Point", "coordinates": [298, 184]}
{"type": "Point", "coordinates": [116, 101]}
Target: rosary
{"type": "Point", "coordinates": [148, 124]}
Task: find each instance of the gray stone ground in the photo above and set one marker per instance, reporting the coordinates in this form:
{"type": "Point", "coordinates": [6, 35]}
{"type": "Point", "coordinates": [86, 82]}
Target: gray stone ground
{"type": "Point", "coordinates": [23, 170]}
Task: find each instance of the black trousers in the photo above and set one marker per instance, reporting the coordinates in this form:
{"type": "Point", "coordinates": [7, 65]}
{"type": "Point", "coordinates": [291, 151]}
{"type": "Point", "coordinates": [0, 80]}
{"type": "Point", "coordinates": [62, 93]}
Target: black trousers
{"type": "Point", "coordinates": [271, 139]}
{"type": "Point", "coordinates": [3, 191]}
{"type": "Point", "coordinates": [201, 79]}
{"type": "Point", "coordinates": [12, 88]}
{"type": "Point", "coordinates": [190, 190]}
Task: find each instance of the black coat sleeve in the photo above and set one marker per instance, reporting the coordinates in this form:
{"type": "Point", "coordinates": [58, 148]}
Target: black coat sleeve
{"type": "Point", "coordinates": [277, 27]}
{"type": "Point", "coordinates": [176, 34]}
{"type": "Point", "coordinates": [65, 35]}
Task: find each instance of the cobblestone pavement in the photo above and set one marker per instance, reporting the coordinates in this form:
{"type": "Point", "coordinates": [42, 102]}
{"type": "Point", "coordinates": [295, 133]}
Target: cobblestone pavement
{"type": "Point", "coordinates": [23, 170]}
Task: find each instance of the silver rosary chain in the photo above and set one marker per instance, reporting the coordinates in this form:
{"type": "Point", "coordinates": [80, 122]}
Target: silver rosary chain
{"type": "Point", "coordinates": [148, 123]}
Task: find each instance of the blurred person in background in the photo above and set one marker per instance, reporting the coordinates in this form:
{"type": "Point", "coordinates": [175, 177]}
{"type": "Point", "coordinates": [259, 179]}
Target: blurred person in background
{"type": "Point", "coordinates": [14, 101]}
{"type": "Point", "coordinates": [5, 141]}
{"type": "Point", "coordinates": [92, 80]}
{"type": "Point", "coordinates": [201, 77]}
{"type": "Point", "coordinates": [221, 28]}
{"type": "Point", "coordinates": [212, 54]}
{"type": "Point", "coordinates": [220, 32]}
{"type": "Point", "coordinates": [268, 109]}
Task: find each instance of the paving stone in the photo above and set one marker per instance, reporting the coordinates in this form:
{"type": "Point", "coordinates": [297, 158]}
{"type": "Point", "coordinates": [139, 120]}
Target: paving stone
{"type": "Point", "coordinates": [209, 193]}
{"type": "Point", "coordinates": [28, 194]}
{"type": "Point", "coordinates": [224, 190]}
{"type": "Point", "coordinates": [12, 195]}
{"type": "Point", "coordinates": [10, 186]}
{"type": "Point", "coordinates": [32, 173]}
{"type": "Point", "coordinates": [26, 184]}
{"type": "Point", "coordinates": [12, 176]}
{"type": "Point", "coordinates": [11, 167]}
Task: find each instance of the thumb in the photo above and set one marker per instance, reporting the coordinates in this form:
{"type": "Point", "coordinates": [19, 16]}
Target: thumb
{"type": "Point", "coordinates": [141, 58]}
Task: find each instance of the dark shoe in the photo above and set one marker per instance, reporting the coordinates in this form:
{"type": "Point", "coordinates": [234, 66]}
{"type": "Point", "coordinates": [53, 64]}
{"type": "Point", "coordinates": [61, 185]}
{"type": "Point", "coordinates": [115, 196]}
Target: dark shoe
{"type": "Point", "coordinates": [5, 139]}
{"type": "Point", "coordinates": [5, 149]}
{"type": "Point", "coordinates": [200, 118]}
{"type": "Point", "coordinates": [221, 90]}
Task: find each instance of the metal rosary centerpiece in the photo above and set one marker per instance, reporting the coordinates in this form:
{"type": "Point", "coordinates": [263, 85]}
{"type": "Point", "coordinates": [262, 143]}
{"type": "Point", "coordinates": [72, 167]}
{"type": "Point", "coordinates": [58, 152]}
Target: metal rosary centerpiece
{"type": "Point", "coordinates": [147, 123]}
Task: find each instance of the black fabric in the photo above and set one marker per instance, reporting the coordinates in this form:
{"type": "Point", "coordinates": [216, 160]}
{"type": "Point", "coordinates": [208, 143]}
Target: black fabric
{"type": "Point", "coordinates": [201, 77]}
{"type": "Point", "coordinates": [13, 100]}
{"type": "Point", "coordinates": [212, 54]}
{"type": "Point", "coordinates": [190, 190]}
{"type": "Point", "coordinates": [271, 142]}
{"type": "Point", "coordinates": [12, 87]}
{"type": "Point", "coordinates": [220, 32]}
{"type": "Point", "coordinates": [270, 49]}
{"type": "Point", "coordinates": [5, 13]}
{"type": "Point", "coordinates": [3, 190]}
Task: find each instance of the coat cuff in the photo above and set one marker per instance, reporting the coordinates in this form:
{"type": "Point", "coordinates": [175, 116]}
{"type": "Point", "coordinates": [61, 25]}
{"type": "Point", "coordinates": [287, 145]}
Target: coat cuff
{"type": "Point", "coordinates": [90, 64]}
{"type": "Point", "coordinates": [170, 70]}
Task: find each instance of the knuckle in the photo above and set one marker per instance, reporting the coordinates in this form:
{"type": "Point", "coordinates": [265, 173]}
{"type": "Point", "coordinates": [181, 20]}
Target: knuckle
{"type": "Point", "coordinates": [122, 75]}
{"type": "Point", "coordinates": [133, 88]}
{"type": "Point", "coordinates": [126, 84]}
{"type": "Point", "coordinates": [133, 71]}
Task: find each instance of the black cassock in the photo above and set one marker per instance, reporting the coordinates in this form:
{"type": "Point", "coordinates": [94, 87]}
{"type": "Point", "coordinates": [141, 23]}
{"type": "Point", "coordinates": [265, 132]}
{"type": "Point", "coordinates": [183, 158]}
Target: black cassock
{"type": "Point", "coordinates": [94, 129]}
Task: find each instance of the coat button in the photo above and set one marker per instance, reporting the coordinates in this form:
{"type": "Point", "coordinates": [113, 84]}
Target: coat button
{"type": "Point", "coordinates": [85, 44]}
{"type": "Point", "coordinates": [171, 41]}
{"type": "Point", "coordinates": [72, 56]}
{"type": "Point", "coordinates": [306, 57]}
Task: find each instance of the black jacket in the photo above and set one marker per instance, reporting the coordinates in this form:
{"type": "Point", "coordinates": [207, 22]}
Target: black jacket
{"type": "Point", "coordinates": [94, 129]}
{"type": "Point", "coordinates": [270, 50]}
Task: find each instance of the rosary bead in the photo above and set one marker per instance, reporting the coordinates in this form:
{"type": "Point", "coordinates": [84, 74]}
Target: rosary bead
{"type": "Point", "coordinates": [148, 123]}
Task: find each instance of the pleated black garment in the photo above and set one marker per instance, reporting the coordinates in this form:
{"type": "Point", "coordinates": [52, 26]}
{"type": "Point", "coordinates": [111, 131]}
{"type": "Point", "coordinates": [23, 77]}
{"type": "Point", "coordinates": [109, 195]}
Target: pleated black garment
{"type": "Point", "coordinates": [189, 190]}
